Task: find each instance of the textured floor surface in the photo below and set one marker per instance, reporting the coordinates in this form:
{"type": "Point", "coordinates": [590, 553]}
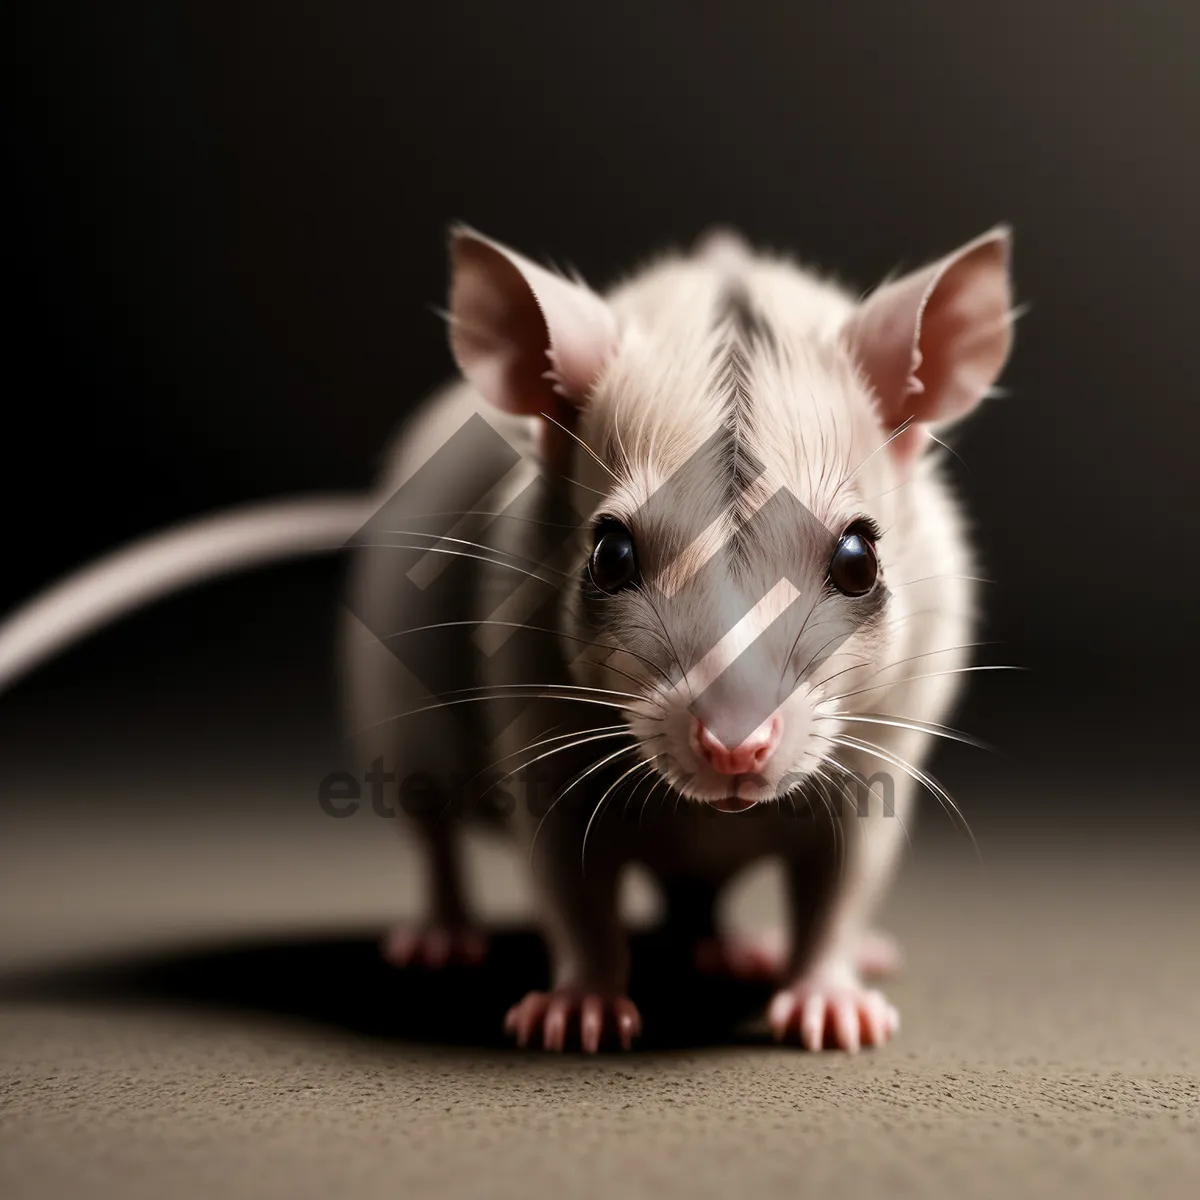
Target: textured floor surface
{"type": "Point", "coordinates": [251, 1046]}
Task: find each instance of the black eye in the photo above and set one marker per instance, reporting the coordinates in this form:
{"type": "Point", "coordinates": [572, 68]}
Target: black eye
{"type": "Point", "coordinates": [854, 567]}
{"type": "Point", "coordinates": [613, 564]}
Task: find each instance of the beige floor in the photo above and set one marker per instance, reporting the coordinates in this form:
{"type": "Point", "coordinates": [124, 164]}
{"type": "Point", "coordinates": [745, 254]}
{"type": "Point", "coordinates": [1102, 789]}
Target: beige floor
{"type": "Point", "coordinates": [1051, 1039]}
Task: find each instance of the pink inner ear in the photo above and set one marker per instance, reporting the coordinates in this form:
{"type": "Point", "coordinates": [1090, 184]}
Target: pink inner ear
{"type": "Point", "coordinates": [933, 342]}
{"type": "Point", "coordinates": [525, 338]}
{"type": "Point", "coordinates": [965, 334]}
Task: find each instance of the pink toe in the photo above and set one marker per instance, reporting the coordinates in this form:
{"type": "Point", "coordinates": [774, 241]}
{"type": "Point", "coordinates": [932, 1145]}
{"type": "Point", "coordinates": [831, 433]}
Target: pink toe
{"type": "Point", "coordinates": [591, 1023]}
{"type": "Point", "coordinates": [874, 1020]}
{"type": "Point", "coordinates": [629, 1020]}
{"type": "Point", "coordinates": [531, 1012]}
{"type": "Point", "coordinates": [554, 1029]}
{"type": "Point", "coordinates": [845, 1024]}
{"type": "Point", "coordinates": [780, 1013]}
{"type": "Point", "coordinates": [627, 1027]}
{"type": "Point", "coordinates": [812, 1023]}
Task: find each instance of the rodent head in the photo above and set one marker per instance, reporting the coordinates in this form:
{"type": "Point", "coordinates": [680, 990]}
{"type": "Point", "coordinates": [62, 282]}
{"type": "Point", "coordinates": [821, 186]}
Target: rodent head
{"type": "Point", "coordinates": [742, 432]}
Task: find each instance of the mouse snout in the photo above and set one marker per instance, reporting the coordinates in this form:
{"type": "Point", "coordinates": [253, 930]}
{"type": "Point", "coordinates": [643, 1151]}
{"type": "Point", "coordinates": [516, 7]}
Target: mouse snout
{"type": "Point", "coordinates": [751, 755]}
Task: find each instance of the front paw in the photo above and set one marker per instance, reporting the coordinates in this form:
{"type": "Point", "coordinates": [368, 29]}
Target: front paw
{"type": "Point", "coordinates": [565, 1013]}
{"type": "Point", "coordinates": [832, 1009]}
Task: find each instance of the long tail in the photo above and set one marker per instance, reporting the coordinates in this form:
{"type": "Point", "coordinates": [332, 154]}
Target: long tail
{"type": "Point", "coordinates": [168, 562]}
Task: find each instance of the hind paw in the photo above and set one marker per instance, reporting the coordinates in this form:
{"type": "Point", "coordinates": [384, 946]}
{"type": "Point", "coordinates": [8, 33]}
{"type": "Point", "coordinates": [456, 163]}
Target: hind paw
{"type": "Point", "coordinates": [434, 946]}
{"type": "Point", "coordinates": [753, 959]}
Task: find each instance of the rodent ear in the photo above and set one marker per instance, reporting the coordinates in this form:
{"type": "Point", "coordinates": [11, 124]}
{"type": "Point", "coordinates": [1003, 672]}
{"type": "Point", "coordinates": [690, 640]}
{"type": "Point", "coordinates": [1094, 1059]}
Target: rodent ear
{"type": "Point", "coordinates": [528, 340]}
{"type": "Point", "coordinates": [932, 343]}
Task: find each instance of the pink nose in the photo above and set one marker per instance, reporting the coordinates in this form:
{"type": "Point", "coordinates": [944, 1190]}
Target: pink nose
{"type": "Point", "coordinates": [752, 755]}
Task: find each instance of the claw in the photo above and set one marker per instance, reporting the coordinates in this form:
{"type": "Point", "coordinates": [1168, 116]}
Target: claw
{"type": "Point", "coordinates": [560, 1013]}
{"type": "Point", "coordinates": [832, 1010]}
{"type": "Point", "coordinates": [523, 1018]}
{"type": "Point", "coordinates": [812, 1023]}
{"type": "Point", "coordinates": [629, 1021]}
{"type": "Point", "coordinates": [845, 1024]}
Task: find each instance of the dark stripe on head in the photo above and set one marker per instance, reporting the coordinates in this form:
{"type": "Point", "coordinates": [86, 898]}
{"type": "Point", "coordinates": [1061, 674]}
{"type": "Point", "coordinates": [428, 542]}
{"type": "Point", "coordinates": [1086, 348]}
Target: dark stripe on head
{"type": "Point", "coordinates": [747, 332]}
{"type": "Point", "coordinates": [745, 321]}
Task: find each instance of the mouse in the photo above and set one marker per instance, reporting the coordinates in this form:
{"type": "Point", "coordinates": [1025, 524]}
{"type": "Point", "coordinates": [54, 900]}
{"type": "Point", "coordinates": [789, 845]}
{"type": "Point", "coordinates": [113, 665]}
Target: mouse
{"type": "Point", "coordinates": [670, 574]}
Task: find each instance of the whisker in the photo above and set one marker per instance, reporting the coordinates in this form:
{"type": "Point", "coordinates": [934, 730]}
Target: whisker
{"type": "Point", "coordinates": [579, 778]}
{"type": "Point", "coordinates": [947, 575]}
{"type": "Point", "coordinates": [670, 644]}
{"type": "Point", "coordinates": [902, 427]}
{"type": "Point", "coordinates": [914, 678]}
{"type": "Point", "coordinates": [582, 741]}
{"type": "Point", "coordinates": [492, 766]}
{"type": "Point", "coordinates": [861, 661]}
{"type": "Point", "coordinates": [850, 775]}
{"type": "Point", "coordinates": [813, 657]}
{"type": "Point", "coordinates": [835, 816]}
{"type": "Point", "coordinates": [661, 780]}
{"type": "Point", "coordinates": [545, 741]}
{"type": "Point", "coordinates": [796, 642]}
{"type": "Point", "coordinates": [944, 731]}
{"type": "Point", "coordinates": [576, 438]}
{"type": "Point", "coordinates": [937, 441]}
{"type": "Point", "coordinates": [579, 484]}
{"type": "Point", "coordinates": [491, 562]}
{"type": "Point", "coordinates": [899, 662]}
{"type": "Point", "coordinates": [931, 611]}
{"type": "Point", "coordinates": [445, 537]}
{"type": "Point", "coordinates": [888, 491]}
{"type": "Point", "coordinates": [538, 629]}
{"type": "Point", "coordinates": [607, 666]}
{"type": "Point", "coordinates": [479, 699]}
{"type": "Point", "coordinates": [511, 688]}
{"type": "Point", "coordinates": [633, 793]}
{"type": "Point", "coordinates": [640, 765]}
{"type": "Point", "coordinates": [482, 512]}
{"type": "Point", "coordinates": [915, 773]}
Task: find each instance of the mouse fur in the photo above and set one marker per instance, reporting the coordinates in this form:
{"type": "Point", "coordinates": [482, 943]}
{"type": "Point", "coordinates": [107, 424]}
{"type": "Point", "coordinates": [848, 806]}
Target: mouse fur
{"type": "Point", "coordinates": [778, 383]}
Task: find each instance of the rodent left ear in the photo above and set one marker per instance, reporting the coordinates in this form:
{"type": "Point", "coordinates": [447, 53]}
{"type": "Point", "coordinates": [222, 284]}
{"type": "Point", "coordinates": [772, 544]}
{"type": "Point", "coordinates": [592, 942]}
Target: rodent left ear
{"type": "Point", "coordinates": [528, 340]}
{"type": "Point", "coordinates": [932, 343]}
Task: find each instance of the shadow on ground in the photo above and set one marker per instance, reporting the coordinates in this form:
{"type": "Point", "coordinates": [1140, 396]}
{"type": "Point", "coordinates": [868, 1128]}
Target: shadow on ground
{"type": "Point", "coordinates": [342, 981]}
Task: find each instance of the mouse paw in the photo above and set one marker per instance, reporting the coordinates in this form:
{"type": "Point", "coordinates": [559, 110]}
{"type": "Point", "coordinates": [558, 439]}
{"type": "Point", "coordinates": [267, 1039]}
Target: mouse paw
{"type": "Point", "coordinates": [562, 1013]}
{"type": "Point", "coordinates": [758, 959]}
{"type": "Point", "coordinates": [434, 946]}
{"type": "Point", "coordinates": [877, 954]}
{"type": "Point", "coordinates": [832, 1010]}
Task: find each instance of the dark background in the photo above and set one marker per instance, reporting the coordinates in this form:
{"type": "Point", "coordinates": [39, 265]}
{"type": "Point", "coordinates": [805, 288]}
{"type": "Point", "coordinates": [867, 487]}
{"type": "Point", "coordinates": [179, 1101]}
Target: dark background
{"type": "Point", "coordinates": [225, 245]}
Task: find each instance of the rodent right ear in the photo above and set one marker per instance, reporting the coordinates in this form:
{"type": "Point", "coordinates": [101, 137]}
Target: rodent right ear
{"type": "Point", "coordinates": [530, 341]}
{"type": "Point", "coordinates": [932, 343]}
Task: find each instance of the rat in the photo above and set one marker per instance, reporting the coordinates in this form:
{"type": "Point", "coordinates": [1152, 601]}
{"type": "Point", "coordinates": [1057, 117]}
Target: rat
{"type": "Point", "coordinates": [693, 575]}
